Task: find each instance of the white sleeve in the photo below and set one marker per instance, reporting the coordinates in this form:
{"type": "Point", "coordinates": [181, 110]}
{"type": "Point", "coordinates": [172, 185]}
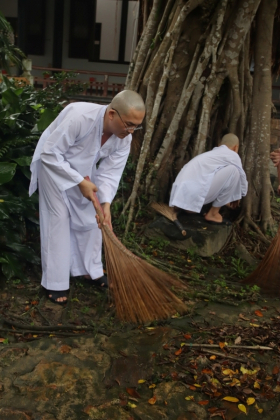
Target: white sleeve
{"type": "Point", "coordinates": [52, 156]}
{"type": "Point", "coordinates": [109, 172]}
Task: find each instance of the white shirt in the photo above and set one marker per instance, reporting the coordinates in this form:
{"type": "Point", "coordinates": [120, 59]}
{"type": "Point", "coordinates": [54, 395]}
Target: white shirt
{"type": "Point", "coordinates": [70, 149]}
{"type": "Point", "coordinates": [193, 181]}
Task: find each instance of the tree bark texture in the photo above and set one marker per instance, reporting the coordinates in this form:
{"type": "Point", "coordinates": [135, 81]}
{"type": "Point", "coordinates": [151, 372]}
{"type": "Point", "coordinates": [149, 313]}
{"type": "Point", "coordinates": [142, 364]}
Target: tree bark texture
{"type": "Point", "coordinates": [192, 68]}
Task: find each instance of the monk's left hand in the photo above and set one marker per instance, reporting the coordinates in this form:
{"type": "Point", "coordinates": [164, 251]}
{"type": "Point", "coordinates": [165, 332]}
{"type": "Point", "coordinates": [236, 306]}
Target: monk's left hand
{"type": "Point", "coordinates": [234, 204]}
{"type": "Point", "coordinates": [107, 216]}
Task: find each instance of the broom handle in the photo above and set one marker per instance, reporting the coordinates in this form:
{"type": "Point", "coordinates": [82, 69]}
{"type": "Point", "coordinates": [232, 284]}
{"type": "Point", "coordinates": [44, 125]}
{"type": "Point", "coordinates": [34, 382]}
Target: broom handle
{"type": "Point", "coordinates": [180, 227]}
{"type": "Point", "coordinates": [96, 204]}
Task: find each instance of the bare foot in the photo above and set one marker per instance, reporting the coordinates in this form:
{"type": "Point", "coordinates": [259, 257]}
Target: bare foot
{"type": "Point", "coordinates": [214, 217]}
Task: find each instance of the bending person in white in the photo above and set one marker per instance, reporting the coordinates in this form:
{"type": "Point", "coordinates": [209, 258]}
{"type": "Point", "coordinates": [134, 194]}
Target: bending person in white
{"type": "Point", "coordinates": [215, 177]}
{"type": "Point", "coordinates": [82, 135]}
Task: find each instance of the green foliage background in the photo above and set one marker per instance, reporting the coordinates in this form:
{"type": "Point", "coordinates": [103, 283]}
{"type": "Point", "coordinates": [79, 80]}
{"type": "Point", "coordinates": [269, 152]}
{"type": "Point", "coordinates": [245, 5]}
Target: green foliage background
{"type": "Point", "coordinates": [24, 114]}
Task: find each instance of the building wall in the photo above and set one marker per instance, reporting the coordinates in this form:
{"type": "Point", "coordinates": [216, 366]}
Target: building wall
{"type": "Point", "coordinates": [108, 13]}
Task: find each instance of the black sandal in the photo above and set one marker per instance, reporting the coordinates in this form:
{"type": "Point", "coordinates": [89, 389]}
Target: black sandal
{"type": "Point", "coordinates": [55, 295]}
{"type": "Point", "coordinates": [101, 282]}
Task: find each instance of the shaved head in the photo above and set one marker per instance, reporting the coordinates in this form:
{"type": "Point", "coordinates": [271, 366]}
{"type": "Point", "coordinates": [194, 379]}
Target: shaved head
{"type": "Point", "coordinates": [230, 140]}
{"type": "Point", "coordinates": [126, 101]}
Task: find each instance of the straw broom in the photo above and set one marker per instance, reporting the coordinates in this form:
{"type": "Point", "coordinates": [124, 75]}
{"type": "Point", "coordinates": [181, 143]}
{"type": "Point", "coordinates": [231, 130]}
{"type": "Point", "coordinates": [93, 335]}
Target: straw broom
{"type": "Point", "coordinates": [169, 213]}
{"type": "Point", "coordinates": [266, 275]}
{"type": "Point", "coordinates": [141, 292]}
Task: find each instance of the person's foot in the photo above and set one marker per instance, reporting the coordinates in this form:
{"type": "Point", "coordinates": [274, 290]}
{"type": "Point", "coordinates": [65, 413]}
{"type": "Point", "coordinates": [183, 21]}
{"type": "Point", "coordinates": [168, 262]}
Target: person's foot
{"type": "Point", "coordinates": [57, 296]}
{"type": "Point", "coordinates": [213, 218]}
{"type": "Point", "coordinates": [100, 282]}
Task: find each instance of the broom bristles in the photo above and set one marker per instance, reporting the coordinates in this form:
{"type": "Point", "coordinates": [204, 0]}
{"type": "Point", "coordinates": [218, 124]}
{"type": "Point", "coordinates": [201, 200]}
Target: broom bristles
{"type": "Point", "coordinates": [170, 213]}
{"type": "Point", "coordinates": [141, 291]}
{"type": "Point", "coordinates": [266, 275]}
{"type": "Point", "coordinates": [165, 210]}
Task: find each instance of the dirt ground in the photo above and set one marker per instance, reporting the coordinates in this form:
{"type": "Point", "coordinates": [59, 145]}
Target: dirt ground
{"type": "Point", "coordinates": [79, 362]}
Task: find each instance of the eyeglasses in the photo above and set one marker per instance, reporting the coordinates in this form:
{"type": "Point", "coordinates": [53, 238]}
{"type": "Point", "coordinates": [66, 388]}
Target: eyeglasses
{"type": "Point", "coordinates": [128, 127]}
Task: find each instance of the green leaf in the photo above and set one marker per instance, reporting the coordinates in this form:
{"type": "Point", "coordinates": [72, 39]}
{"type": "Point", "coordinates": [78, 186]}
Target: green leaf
{"type": "Point", "coordinates": [46, 119]}
{"type": "Point", "coordinates": [10, 98]}
{"type": "Point", "coordinates": [7, 172]}
{"type": "Point", "coordinates": [23, 161]}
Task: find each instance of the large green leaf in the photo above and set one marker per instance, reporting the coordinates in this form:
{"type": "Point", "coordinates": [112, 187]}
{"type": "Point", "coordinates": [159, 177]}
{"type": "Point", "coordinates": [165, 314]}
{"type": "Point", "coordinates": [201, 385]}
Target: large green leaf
{"type": "Point", "coordinates": [9, 97]}
{"type": "Point", "coordinates": [46, 119]}
{"type": "Point", "coordinates": [24, 160]}
{"type": "Point", "coordinates": [7, 171]}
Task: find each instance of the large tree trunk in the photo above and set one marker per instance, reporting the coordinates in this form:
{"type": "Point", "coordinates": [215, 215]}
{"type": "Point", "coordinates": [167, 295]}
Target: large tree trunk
{"type": "Point", "coordinates": [193, 70]}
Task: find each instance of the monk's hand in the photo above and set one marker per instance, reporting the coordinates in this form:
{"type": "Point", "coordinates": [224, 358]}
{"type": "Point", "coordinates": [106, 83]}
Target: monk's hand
{"type": "Point", "coordinates": [88, 188]}
{"type": "Point", "coordinates": [275, 157]}
{"type": "Point", "coordinates": [234, 204]}
{"type": "Point", "coordinates": [107, 216]}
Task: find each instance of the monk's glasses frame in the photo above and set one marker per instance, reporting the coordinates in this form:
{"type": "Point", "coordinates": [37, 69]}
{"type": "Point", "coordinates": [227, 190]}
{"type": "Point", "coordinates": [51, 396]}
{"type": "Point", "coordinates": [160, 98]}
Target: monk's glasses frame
{"type": "Point", "coordinates": [128, 128]}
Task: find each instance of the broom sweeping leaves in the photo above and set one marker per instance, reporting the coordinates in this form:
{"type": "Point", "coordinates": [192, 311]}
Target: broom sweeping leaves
{"type": "Point", "coordinates": [266, 275]}
{"type": "Point", "coordinates": [141, 291]}
{"type": "Point", "coordinates": [169, 213]}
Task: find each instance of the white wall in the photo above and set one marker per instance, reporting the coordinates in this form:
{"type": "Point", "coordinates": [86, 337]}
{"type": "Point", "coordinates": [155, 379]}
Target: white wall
{"type": "Point", "coordinates": [131, 29]}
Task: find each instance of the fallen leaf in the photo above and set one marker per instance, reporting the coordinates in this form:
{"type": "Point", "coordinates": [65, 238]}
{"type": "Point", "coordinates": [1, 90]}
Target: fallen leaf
{"type": "Point", "coordinates": [277, 388]}
{"type": "Point", "coordinates": [222, 345]}
{"type": "Point", "coordinates": [228, 372]}
{"type": "Point", "coordinates": [165, 402]}
{"type": "Point", "coordinates": [152, 386]}
{"type": "Point", "coordinates": [241, 316]}
{"type": "Point", "coordinates": [212, 357]}
{"type": "Point", "coordinates": [166, 347]}
{"type": "Point", "coordinates": [207, 371]}
{"type": "Point", "coordinates": [205, 402]}
{"type": "Point", "coordinates": [260, 410]}
{"type": "Point", "coordinates": [247, 391]}
{"type": "Point", "coordinates": [197, 385]}
{"type": "Point", "coordinates": [183, 344]}
{"type": "Point", "coordinates": [254, 325]}
{"type": "Point", "coordinates": [193, 388]}
{"type": "Point", "coordinates": [250, 401]}
{"type": "Point", "coordinates": [275, 370]}
{"type": "Point", "coordinates": [187, 336]}
{"type": "Point", "coordinates": [258, 312]}
{"type": "Point", "coordinates": [257, 385]}
{"type": "Point", "coordinates": [141, 381]}
{"type": "Point", "coordinates": [174, 375]}
{"type": "Point", "coordinates": [190, 398]}
{"type": "Point", "coordinates": [212, 409]}
{"type": "Point", "coordinates": [133, 393]}
{"type": "Point", "coordinates": [231, 399]}
{"type": "Point", "coordinates": [34, 302]}
{"type": "Point", "coordinates": [152, 400]}
{"type": "Point", "coordinates": [268, 378]}
{"type": "Point", "coordinates": [237, 340]}
{"type": "Point", "coordinates": [2, 340]}
{"type": "Point", "coordinates": [242, 408]}
{"type": "Point", "coordinates": [65, 349]}
{"type": "Point", "coordinates": [178, 352]}
{"type": "Point", "coordinates": [235, 382]}
{"type": "Point", "coordinates": [150, 328]}
{"type": "Point", "coordinates": [131, 405]}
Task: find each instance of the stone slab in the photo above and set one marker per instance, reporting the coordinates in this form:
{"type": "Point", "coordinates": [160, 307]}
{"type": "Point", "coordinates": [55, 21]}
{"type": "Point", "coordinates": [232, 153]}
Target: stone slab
{"type": "Point", "coordinates": [204, 238]}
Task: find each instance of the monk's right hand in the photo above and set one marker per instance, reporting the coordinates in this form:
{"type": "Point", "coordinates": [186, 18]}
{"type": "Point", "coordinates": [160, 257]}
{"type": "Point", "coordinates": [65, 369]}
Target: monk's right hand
{"type": "Point", "coordinates": [87, 189]}
{"type": "Point", "coordinates": [275, 157]}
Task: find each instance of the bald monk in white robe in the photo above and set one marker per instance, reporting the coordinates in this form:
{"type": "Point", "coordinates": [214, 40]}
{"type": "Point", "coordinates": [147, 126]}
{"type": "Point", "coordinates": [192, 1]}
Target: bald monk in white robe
{"type": "Point", "coordinates": [82, 135]}
{"type": "Point", "coordinates": [215, 177]}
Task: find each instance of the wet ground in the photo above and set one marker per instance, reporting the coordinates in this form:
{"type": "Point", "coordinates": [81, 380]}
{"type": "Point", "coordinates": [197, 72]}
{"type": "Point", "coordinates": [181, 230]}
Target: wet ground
{"type": "Point", "coordinates": [79, 362]}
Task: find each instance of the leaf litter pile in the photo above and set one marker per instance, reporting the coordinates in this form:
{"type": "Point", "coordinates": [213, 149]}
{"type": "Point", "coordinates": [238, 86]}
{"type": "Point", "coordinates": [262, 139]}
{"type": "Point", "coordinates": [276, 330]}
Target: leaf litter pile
{"type": "Point", "coordinates": [221, 369]}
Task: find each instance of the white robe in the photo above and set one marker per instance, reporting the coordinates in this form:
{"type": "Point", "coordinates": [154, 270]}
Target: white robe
{"type": "Point", "coordinates": [68, 150]}
{"type": "Point", "coordinates": [192, 185]}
